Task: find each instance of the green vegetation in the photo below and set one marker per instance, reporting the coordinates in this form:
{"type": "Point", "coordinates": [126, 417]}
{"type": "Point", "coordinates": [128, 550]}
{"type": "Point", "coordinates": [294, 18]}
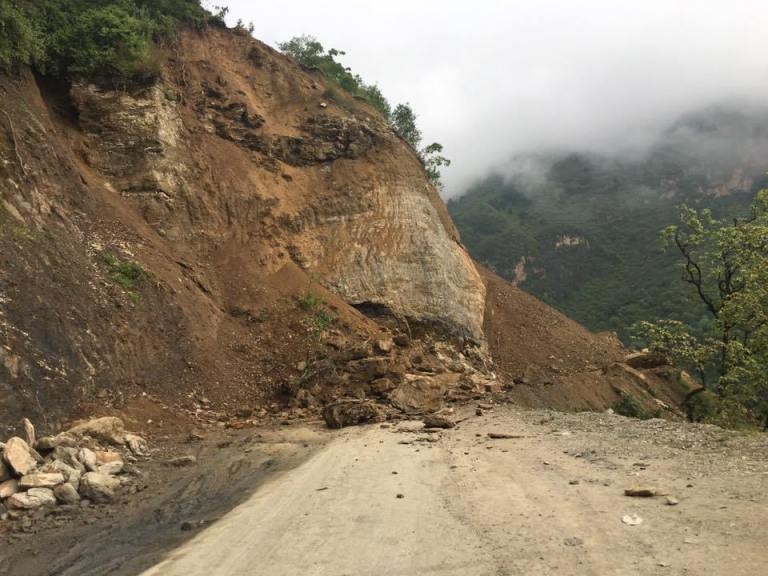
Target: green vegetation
{"type": "Point", "coordinates": [124, 273]}
{"type": "Point", "coordinates": [317, 319]}
{"type": "Point", "coordinates": [97, 39]}
{"type": "Point", "coordinates": [725, 264]}
{"type": "Point", "coordinates": [588, 231]}
{"type": "Point", "coordinates": [310, 53]}
{"type": "Point", "coordinates": [628, 406]}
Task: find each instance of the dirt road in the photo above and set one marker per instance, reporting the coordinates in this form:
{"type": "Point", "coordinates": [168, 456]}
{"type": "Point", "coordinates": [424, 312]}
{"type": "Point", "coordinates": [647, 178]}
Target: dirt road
{"type": "Point", "coordinates": [397, 501]}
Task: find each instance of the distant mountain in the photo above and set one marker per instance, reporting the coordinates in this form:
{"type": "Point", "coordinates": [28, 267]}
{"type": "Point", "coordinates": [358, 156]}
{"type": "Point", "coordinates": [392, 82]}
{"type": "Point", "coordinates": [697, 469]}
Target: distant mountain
{"type": "Point", "coordinates": [580, 230]}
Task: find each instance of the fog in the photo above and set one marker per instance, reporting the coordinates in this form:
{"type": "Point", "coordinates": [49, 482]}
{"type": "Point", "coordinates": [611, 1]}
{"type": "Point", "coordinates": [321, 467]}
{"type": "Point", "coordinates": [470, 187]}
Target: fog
{"type": "Point", "coordinates": [494, 79]}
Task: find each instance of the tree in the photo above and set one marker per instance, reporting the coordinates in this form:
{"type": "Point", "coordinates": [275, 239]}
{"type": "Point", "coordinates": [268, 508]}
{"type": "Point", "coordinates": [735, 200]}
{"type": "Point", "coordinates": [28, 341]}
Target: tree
{"type": "Point", "coordinates": [404, 123]}
{"type": "Point", "coordinates": [726, 264]}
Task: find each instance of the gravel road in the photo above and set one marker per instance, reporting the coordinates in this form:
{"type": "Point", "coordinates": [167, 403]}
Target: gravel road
{"type": "Point", "coordinates": [399, 501]}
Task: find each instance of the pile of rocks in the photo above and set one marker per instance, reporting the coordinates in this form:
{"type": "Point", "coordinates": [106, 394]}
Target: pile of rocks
{"type": "Point", "coordinates": [87, 462]}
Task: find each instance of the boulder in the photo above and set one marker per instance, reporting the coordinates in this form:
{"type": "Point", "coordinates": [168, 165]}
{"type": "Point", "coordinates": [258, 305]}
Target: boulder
{"type": "Point", "coordinates": [66, 494]}
{"type": "Point", "coordinates": [108, 429]}
{"type": "Point", "coordinates": [351, 413]}
{"type": "Point", "coordinates": [99, 488]}
{"type": "Point", "coordinates": [8, 488]}
{"type": "Point", "coordinates": [21, 458]}
{"type": "Point", "coordinates": [33, 498]}
{"type": "Point", "coordinates": [41, 480]}
{"type": "Point", "coordinates": [419, 394]}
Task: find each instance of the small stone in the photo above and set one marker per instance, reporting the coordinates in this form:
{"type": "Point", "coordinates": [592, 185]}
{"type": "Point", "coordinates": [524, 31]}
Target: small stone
{"type": "Point", "coordinates": [385, 345]}
{"type": "Point", "coordinates": [181, 461]}
{"type": "Point", "coordinates": [573, 482]}
{"type": "Point", "coordinates": [672, 501]}
{"type": "Point", "coordinates": [632, 520]}
{"type": "Point", "coordinates": [641, 492]}
{"type": "Point", "coordinates": [137, 444]}
{"type": "Point", "coordinates": [573, 541]}
{"type": "Point", "coordinates": [400, 496]}
{"type": "Point", "coordinates": [66, 494]}
{"type": "Point", "coordinates": [434, 421]}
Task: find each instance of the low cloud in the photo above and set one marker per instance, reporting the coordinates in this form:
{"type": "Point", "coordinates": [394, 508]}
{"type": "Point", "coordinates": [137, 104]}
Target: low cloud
{"type": "Point", "coordinates": [495, 79]}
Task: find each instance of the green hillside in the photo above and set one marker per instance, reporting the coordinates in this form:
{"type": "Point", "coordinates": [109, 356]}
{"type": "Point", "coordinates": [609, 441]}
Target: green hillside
{"type": "Point", "coordinates": [586, 227]}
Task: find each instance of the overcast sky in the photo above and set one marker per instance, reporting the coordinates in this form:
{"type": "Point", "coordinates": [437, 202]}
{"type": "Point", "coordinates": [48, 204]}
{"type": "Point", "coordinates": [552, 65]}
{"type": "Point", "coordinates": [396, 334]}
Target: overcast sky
{"type": "Point", "coordinates": [493, 78]}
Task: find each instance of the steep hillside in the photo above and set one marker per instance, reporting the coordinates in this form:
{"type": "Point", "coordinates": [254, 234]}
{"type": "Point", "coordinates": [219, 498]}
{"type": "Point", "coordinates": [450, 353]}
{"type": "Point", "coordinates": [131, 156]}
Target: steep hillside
{"type": "Point", "coordinates": [209, 244]}
{"type": "Point", "coordinates": [581, 231]}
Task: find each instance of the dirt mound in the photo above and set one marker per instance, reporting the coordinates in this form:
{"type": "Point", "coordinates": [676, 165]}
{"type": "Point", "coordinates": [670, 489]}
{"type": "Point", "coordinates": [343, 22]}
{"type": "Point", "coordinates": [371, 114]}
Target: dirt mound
{"type": "Point", "coordinates": [548, 360]}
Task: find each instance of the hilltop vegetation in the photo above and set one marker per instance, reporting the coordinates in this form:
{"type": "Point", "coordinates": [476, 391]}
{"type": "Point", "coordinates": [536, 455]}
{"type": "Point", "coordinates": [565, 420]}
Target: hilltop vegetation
{"type": "Point", "coordinates": [92, 38]}
{"type": "Point", "coordinates": [310, 53]}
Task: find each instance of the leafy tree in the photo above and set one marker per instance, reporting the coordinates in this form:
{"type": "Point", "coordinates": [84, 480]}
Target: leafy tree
{"type": "Point", "coordinates": [404, 123]}
{"type": "Point", "coordinates": [19, 41]}
{"type": "Point", "coordinates": [726, 264]}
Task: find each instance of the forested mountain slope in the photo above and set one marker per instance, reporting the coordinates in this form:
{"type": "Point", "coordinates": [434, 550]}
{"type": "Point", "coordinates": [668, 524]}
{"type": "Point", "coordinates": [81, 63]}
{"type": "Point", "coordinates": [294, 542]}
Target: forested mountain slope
{"type": "Point", "coordinates": [581, 230]}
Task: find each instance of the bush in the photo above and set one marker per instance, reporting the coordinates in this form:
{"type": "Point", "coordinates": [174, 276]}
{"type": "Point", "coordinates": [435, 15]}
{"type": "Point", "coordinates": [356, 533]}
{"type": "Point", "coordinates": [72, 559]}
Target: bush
{"type": "Point", "coordinates": [124, 273]}
{"type": "Point", "coordinates": [628, 406]}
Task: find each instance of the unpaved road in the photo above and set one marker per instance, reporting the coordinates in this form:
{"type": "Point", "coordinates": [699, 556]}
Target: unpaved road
{"type": "Point", "coordinates": [548, 503]}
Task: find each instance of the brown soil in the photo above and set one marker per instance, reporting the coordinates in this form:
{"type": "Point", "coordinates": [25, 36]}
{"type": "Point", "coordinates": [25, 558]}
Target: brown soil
{"type": "Point", "coordinates": [551, 361]}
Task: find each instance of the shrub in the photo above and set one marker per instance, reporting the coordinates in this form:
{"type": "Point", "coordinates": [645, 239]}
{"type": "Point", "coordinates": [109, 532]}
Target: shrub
{"type": "Point", "coordinates": [124, 273]}
{"type": "Point", "coordinates": [628, 406]}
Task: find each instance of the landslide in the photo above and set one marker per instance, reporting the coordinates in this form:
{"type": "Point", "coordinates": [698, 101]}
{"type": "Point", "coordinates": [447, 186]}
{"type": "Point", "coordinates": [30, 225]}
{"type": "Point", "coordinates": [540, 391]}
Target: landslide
{"type": "Point", "coordinates": [205, 245]}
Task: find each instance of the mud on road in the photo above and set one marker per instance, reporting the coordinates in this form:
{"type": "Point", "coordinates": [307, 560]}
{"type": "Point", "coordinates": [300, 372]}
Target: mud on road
{"type": "Point", "coordinates": [126, 537]}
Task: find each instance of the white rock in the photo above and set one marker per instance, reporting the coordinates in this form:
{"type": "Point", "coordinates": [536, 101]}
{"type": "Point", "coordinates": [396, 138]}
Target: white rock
{"type": "Point", "coordinates": [20, 456]}
{"type": "Point", "coordinates": [111, 468]}
{"type": "Point", "coordinates": [33, 498]}
{"type": "Point", "coordinates": [8, 488]}
{"type": "Point", "coordinates": [98, 488]}
{"type": "Point", "coordinates": [108, 429]}
{"type": "Point", "coordinates": [632, 520]}
{"type": "Point", "coordinates": [41, 480]}
{"type": "Point", "coordinates": [137, 444]}
{"type": "Point", "coordinates": [87, 458]}
{"type": "Point", "coordinates": [29, 431]}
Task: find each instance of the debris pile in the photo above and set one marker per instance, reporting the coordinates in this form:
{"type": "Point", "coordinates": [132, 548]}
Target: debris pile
{"type": "Point", "coordinates": [89, 463]}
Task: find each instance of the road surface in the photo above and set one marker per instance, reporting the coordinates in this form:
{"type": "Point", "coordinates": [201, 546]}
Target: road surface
{"type": "Point", "coordinates": [397, 502]}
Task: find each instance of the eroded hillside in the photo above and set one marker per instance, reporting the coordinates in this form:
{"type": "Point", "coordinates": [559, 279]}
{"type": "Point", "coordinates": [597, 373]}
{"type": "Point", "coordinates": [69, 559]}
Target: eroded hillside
{"type": "Point", "coordinates": [207, 245]}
